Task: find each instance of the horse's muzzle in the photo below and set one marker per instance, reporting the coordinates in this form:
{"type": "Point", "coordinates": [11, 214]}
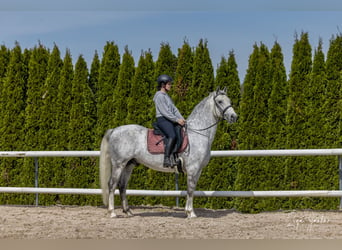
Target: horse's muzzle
{"type": "Point", "coordinates": [232, 117]}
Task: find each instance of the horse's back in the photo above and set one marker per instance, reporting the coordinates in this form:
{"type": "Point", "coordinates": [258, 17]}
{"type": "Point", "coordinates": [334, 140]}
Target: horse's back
{"type": "Point", "coordinates": [128, 140]}
{"type": "Point", "coordinates": [131, 132]}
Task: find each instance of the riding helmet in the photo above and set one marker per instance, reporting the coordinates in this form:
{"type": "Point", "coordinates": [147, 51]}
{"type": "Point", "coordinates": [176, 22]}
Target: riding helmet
{"type": "Point", "coordinates": [163, 79]}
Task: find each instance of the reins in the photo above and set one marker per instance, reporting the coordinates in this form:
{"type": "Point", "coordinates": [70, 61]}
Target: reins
{"type": "Point", "coordinates": [203, 129]}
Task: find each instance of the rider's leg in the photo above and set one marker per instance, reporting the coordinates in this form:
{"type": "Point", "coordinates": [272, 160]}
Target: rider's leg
{"type": "Point", "coordinates": [168, 150]}
{"type": "Point", "coordinates": [168, 129]}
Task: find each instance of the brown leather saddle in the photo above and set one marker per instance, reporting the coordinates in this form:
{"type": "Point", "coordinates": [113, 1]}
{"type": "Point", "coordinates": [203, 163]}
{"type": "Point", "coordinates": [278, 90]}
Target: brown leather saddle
{"type": "Point", "coordinates": [155, 140]}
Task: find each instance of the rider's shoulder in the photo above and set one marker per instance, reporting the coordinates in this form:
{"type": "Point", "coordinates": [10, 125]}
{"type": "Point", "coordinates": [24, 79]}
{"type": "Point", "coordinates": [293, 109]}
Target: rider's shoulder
{"type": "Point", "coordinates": [159, 94]}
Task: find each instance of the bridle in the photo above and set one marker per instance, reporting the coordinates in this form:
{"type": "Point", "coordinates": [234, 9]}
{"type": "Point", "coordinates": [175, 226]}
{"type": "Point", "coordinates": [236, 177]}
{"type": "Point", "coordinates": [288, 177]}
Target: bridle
{"type": "Point", "coordinates": [222, 110]}
{"type": "Point", "coordinates": [219, 107]}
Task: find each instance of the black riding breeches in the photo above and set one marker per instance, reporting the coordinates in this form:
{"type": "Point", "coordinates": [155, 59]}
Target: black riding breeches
{"type": "Point", "coordinates": [168, 129]}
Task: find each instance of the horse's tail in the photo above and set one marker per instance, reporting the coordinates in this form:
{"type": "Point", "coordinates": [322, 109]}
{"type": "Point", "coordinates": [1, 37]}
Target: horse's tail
{"type": "Point", "coordinates": [105, 167]}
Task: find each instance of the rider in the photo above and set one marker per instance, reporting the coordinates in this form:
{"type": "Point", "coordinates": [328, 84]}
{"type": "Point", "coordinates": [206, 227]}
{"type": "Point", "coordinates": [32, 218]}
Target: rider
{"type": "Point", "coordinates": [168, 116]}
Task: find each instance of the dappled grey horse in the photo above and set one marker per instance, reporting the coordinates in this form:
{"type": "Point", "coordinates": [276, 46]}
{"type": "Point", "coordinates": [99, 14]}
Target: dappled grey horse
{"type": "Point", "coordinates": [125, 147]}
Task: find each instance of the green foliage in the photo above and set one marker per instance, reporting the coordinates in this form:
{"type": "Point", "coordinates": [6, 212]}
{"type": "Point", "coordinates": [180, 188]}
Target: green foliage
{"type": "Point", "coordinates": [48, 125]}
{"type": "Point", "coordinates": [276, 125]}
{"type": "Point", "coordinates": [81, 171]}
{"type": "Point", "coordinates": [296, 130]}
{"type": "Point", "coordinates": [183, 79]}
{"type": "Point", "coordinates": [62, 122]}
{"type": "Point", "coordinates": [46, 104]}
{"type": "Point", "coordinates": [252, 172]}
{"type": "Point", "coordinates": [12, 106]}
{"type": "Point", "coordinates": [108, 77]}
{"type": "Point", "coordinates": [203, 74]}
{"type": "Point", "coordinates": [94, 73]}
{"type": "Point", "coordinates": [123, 88]}
{"type": "Point", "coordinates": [166, 63]}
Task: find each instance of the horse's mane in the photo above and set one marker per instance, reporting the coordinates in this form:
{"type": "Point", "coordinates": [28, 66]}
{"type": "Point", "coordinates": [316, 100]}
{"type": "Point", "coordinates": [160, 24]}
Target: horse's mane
{"type": "Point", "coordinates": [200, 105]}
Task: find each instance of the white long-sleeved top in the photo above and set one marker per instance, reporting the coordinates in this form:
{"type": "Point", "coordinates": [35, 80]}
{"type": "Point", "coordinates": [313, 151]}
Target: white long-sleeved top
{"type": "Point", "coordinates": [165, 107]}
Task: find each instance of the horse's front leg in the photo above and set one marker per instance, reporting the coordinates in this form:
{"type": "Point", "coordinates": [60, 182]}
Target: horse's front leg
{"type": "Point", "coordinates": [189, 208]}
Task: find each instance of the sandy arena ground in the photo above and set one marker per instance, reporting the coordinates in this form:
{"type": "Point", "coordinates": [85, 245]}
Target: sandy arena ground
{"type": "Point", "coordinates": [65, 222]}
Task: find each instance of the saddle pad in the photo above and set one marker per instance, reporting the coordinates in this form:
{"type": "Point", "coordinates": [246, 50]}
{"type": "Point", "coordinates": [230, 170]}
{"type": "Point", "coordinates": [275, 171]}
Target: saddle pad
{"type": "Point", "coordinates": [155, 143]}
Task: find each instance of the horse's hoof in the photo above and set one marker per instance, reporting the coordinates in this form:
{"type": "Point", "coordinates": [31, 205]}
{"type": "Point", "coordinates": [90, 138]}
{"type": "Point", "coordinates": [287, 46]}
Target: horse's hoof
{"type": "Point", "coordinates": [129, 213]}
{"type": "Point", "coordinates": [112, 214]}
{"type": "Point", "coordinates": [191, 215]}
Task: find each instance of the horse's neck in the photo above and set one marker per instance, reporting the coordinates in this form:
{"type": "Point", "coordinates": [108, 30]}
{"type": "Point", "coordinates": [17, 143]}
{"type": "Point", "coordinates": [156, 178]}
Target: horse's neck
{"type": "Point", "coordinates": [202, 119]}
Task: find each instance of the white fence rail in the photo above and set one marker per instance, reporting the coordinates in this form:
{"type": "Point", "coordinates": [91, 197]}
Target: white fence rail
{"type": "Point", "coordinates": [236, 153]}
{"type": "Point", "coordinates": [242, 153]}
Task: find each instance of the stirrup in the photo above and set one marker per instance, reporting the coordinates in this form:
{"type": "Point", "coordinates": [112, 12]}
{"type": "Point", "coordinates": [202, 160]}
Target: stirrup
{"type": "Point", "coordinates": [180, 166]}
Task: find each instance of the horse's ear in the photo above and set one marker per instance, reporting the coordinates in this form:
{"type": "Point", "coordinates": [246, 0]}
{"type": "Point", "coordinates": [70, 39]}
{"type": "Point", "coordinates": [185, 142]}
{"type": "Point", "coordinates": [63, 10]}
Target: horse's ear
{"type": "Point", "coordinates": [225, 89]}
{"type": "Point", "coordinates": [218, 89]}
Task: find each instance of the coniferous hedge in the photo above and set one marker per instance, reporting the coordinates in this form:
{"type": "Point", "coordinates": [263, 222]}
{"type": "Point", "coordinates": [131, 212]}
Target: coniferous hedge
{"type": "Point", "coordinates": [47, 103]}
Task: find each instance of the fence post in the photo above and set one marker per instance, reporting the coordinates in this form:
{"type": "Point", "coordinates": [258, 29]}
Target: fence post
{"type": "Point", "coordinates": [340, 176]}
{"type": "Point", "coordinates": [36, 178]}
{"type": "Point", "coordinates": [177, 198]}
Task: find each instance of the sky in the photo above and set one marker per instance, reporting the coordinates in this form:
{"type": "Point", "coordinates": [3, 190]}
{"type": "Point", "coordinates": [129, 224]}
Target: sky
{"type": "Point", "coordinates": [85, 26]}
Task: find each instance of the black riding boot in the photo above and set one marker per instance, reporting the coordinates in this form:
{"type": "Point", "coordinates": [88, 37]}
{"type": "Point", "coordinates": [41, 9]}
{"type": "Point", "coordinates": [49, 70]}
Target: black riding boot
{"type": "Point", "coordinates": [170, 142]}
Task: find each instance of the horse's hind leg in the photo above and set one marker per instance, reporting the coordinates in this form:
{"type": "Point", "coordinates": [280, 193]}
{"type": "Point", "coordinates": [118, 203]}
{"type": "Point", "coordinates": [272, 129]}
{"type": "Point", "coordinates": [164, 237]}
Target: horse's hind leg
{"type": "Point", "coordinates": [123, 186]}
{"type": "Point", "coordinates": [113, 182]}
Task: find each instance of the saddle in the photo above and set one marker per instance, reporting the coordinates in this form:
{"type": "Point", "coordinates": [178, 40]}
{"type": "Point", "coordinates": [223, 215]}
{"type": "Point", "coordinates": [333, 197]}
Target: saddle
{"type": "Point", "coordinates": [155, 140]}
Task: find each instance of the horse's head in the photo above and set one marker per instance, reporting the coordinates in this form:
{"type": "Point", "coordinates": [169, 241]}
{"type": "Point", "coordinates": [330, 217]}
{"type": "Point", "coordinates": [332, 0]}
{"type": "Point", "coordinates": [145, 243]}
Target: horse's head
{"type": "Point", "coordinates": [223, 106]}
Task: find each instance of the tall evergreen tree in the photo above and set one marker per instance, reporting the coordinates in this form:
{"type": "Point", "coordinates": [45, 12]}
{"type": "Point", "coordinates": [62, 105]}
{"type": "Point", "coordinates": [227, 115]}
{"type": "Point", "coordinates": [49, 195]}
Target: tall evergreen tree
{"type": "Point", "coordinates": [81, 171]}
{"type": "Point", "coordinates": [12, 105]}
{"type": "Point", "coordinates": [108, 77]}
{"type": "Point", "coordinates": [233, 81]}
{"type": "Point", "coordinates": [297, 136]}
{"type": "Point", "coordinates": [4, 61]}
{"type": "Point", "coordinates": [123, 88]}
{"type": "Point", "coordinates": [183, 79]}
{"type": "Point", "coordinates": [64, 102]}
{"type": "Point", "coordinates": [320, 175]}
{"type": "Point", "coordinates": [37, 69]}
{"type": "Point", "coordinates": [48, 123]}
{"type": "Point", "coordinates": [247, 101]}
{"type": "Point", "coordinates": [93, 84]}
{"type": "Point", "coordinates": [37, 74]}
{"type": "Point", "coordinates": [62, 120]}
{"type": "Point", "coordinates": [222, 171]}
{"type": "Point", "coordinates": [94, 73]}
{"type": "Point", "coordinates": [332, 106]}
{"type": "Point", "coordinates": [203, 74]}
{"type": "Point", "coordinates": [140, 101]}
{"type": "Point", "coordinates": [166, 62]}
{"type": "Point", "coordinates": [276, 127]}
{"type": "Point", "coordinates": [332, 109]}
{"type": "Point", "coordinates": [5, 54]}
{"type": "Point", "coordinates": [315, 97]}
{"type": "Point", "coordinates": [252, 171]}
